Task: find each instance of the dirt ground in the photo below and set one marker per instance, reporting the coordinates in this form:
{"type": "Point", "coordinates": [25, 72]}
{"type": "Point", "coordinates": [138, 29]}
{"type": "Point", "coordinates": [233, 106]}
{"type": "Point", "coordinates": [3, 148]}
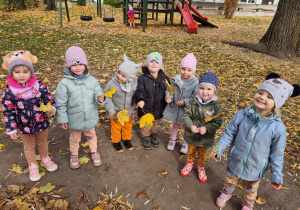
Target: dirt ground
{"type": "Point", "coordinates": [133, 171]}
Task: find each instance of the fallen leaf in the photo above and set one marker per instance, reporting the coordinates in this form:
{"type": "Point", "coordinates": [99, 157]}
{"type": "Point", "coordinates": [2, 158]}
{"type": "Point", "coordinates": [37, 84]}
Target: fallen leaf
{"type": "Point", "coordinates": [83, 160]}
{"type": "Point", "coordinates": [261, 200]}
{"type": "Point", "coordinates": [162, 174]}
{"type": "Point", "coordinates": [47, 188]}
{"type": "Point", "coordinates": [85, 144]}
{"type": "Point", "coordinates": [142, 194]}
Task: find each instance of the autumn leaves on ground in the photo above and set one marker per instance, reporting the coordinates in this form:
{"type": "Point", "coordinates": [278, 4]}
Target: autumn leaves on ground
{"type": "Point", "coordinates": [140, 179]}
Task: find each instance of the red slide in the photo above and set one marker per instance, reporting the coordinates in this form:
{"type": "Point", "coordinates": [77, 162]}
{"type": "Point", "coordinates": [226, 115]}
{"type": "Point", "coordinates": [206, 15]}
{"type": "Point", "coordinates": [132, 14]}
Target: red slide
{"type": "Point", "coordinates": [192, 26]}
{"type": "Point", "coordinates": [196, 12]}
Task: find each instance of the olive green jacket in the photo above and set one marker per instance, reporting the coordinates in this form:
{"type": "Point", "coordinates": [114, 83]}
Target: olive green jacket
{"type": "Point", "coordinates": [194, 114]}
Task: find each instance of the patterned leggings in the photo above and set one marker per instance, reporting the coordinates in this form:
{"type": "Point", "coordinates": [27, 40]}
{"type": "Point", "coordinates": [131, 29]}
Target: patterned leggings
{"type": "Point", "coordinates": [29, 145]}
{"type": "Point", "coordinates": [250, 187]}
{"type": "Point", "coordinates": [202, 154]}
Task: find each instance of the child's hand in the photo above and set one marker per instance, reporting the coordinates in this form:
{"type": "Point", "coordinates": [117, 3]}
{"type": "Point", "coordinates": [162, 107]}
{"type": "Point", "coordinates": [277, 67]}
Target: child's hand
{"type": "Point", "coordinates": [113, 113]}
{"type": "Point", "coordinates": [13, 136]}
{"type": "Point", "coordinates": [202, 130]}
{"type": "Point", "coordinates": [51, 111]}
{"type": "Point", "coordinates": [212, 154]}
{"type": "Point", "coordinates": [277, 186]}
{"type": "Point", "coordinates": [180, 103]}
{"type": "Point", "coordinates": [64, 126]}
{"type": "Point", "coordinates": [141, 104]}
{"type": "Point", "coordinates": [101, 98]}
{"type": "Point", "coordinates": [168, 99]}
{"type": "Point", "coordinates": [194, 129]}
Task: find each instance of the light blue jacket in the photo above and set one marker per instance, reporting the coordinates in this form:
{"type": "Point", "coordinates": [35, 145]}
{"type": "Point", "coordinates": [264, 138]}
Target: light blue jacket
{"type": "Point", "coordinates": [254, 145]}
{"type": "Point", "coordinates": [76, 101]}
{"type": "Point", "coordinates": [183, 92]}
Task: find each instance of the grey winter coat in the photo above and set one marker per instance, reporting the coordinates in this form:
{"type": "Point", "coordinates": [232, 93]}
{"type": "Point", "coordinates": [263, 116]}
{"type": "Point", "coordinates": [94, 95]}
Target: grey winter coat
{"type": "Point", "coordinates": [254, 145]}
{"type": "Point", "coordinates": [76, 101]}
{"type": "Point", "coordinates": [120, 99]}
{"type": "Point", "coordinates": [183, 92]}
{"type": "Point", "coordinates": [194, 114]}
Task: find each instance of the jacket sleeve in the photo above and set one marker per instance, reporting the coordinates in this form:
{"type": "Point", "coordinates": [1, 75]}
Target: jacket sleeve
{"type": "Point", "coordinates": [187, 113]}
{"type": "Point", "coordinates": [229, 134]}
{"type": "Point", "coordinates": [277, 156]}
{"type": "Point", "coordinates": [109, 105]}
{"type": "Point", "coordinates": [194, 92]}
{"type": "Point", "coordinates": [215, 123]}
{"type": "Point", "coordinates": [9, 114]}
{"type": "Point", "coordinates": [61, 100]}
{"type": "Point", "coordinates": [98, 91]}
{"type": "Point", "coordinates": [140, 93]}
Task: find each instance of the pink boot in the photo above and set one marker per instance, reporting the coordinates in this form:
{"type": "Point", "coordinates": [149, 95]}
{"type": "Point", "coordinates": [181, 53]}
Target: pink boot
{"type": "Point", "coordinates": [201, 173]}
{"type": "Point", "coordinates": [223, 198]}
{"type": "Point", "coordinates": [187, 168]}
{"type": "Point", "coordinates": [247, 206]}
{"type": "Point", "coordinates": [34, 174]}
{"type": "Point", "coordinates": [48, 164]}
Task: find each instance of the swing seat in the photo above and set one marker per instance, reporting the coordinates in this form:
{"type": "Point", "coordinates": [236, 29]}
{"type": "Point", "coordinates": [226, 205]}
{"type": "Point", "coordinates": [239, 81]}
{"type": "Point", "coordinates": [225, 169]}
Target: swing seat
{"type": "Point", "coordinates": [86, 18]}
{"type": "Point", "coordinates": [109, 19]}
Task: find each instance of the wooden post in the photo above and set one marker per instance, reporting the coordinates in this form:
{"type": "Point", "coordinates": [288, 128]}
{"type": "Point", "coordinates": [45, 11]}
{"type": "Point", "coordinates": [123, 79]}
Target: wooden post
{"type": "Point", "coordinates": [60, 14]}
{"type": "Point", "coordinates": [145, 4]}
{"type": "Point", "coordinates": [67, 10]}
{"type": "Point", "coordinates": [126, 11]}
{"type": "Point", "coordinates": [100, 9]}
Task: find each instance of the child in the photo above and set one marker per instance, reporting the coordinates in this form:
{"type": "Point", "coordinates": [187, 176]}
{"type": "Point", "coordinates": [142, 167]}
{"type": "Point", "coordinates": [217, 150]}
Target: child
{"type": "Point", "coordinates": [124, 98]}
{"type": "Point", "coordinates": [130, 14]}
{"type": "Point", "coordinates": [186, 85]}
{"type": "Point", "coordinates": [21, 100]}
{"type": "Point", "coordinates": [198, 134]}
{"type": "Point", "coordinates": [257, 138]}
{"type": "Point", "coordinates": [76, 97]}
{"type": "Point", "coordinates": [150, 95]}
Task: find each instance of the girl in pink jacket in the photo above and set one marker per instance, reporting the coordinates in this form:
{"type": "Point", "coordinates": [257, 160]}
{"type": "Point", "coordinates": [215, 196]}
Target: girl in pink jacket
{"type": "Point", "coordinates": [130, 14]}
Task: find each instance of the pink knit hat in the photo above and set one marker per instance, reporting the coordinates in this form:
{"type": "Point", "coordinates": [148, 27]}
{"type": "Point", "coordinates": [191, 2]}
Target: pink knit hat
{"type": "Point", "coordinates": [189, 61]}
{"type": "Point", "coordinates": [75, 55]}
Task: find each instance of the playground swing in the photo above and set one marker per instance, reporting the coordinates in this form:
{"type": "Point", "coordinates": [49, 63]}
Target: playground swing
{"type": "Point", "coordinates": [109, 19]}
{"type": "Point", "coordinates": [86, 17]}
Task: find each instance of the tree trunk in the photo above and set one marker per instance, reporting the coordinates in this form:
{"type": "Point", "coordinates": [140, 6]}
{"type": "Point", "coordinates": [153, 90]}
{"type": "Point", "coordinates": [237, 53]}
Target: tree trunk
{"type": "Point", "coordinates": [282, 39]}
{"type": "Point", "coordinates": [45, 2]}
{"type": "Point", "coordinates": [51, 5]}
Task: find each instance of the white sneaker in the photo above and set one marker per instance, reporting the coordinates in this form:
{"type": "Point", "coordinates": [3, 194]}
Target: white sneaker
{"type": "Point", "coordinates": [184, 148]}
{"type": "Point", "coordinates": [171, 145]}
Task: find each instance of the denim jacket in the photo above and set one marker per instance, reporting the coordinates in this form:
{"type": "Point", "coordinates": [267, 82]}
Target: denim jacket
{"type": "Point", "coordinates": [255, 145]}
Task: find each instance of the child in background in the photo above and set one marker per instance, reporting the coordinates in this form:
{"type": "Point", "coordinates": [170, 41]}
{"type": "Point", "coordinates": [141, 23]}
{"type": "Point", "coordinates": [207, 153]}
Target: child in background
{"type": "Point", "coordinates": [76, 97]}
{"type": "Point", "coordinates": [21, 100]}
{"type": "Point", "coordinates": [186, 85]}
{"type": "Point", "coordinates": [198, 134]}
{"type": "Point", "coordinates": [257, 138]}
{"type": "Point", "coordinates": [150, 95]}
{"type": "Point", "coordinates": [124, 98]}
{"type": "Point", "coordinates": [130, 14]}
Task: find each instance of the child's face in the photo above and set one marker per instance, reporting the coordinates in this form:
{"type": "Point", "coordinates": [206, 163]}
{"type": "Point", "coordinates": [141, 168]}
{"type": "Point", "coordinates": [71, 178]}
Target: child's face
{"type": "Point", "coordinates": [206, 91]}
{"type": "Point", "coordinates": [263, 100]}
{"type": "Point", "coordinates": [153, 67]}
{"type": "Point", "coordinates": [78, 69]}
{"type": "Point", "coordinates": [121, 77]}
{"type": "Point", "coordinates": [186, 73]}
{"type": "Point", "coordinates": [21, 74]}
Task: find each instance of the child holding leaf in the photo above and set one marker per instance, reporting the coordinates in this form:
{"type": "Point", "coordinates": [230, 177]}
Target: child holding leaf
{"type": "Point", "coordinates": [150, 95]}
{"type": "Point", "coordinates": [185, 85]}
{"type": "Point", "coordinates": [200, 132]}
{"type": "Point", "coordinates": [257, 139]}
{"type": "Point", "coordinates": [77, 96]}
{"type": "Point", "coordinates": [21, 100]}
{"type": "Point", "coordinates": [122, 103]}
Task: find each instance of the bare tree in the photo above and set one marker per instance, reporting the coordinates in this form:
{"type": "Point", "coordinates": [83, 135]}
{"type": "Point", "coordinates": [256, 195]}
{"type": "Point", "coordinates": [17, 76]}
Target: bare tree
{"type": "Point", "coordinates": [282, 39]}
{"type": "Point", "coordinates": [51, 5]}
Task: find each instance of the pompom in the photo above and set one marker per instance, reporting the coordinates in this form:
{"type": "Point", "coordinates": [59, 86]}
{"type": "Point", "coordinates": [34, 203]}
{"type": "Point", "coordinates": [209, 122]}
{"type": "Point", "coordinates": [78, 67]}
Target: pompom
{"type": "Point", "coordinates": [296, 91]}
{"type": "Point", "coordinates": [272, 76]}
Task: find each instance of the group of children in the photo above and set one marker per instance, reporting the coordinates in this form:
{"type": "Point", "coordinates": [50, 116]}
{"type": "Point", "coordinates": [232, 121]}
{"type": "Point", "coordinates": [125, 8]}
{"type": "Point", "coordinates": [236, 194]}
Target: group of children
{"type": "Point", "coordinates": [256, 135]}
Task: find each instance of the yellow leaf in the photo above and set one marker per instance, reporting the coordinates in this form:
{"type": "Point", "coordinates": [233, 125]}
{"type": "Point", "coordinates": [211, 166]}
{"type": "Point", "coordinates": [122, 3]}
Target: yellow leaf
{"type": "Point", "coordinates": [147, 120]}
{"type": "Point", "coordinates": [261, 200]}
{"type": "Point", "coordinates": [47, 188]}
{"type": "Point", "coordinates": [1, 145]}
{"type": "Point", "coordinates": [170, 89]}
{"type": "Point", "coordinates": [17, 169]}
{"type": "Point", "coordinates": [45, 108]}
{"type": "Point", "coordinates": [83, 160]}
{"type": "Point", "coordinates": [215, 149]}
{"type": "Point", "coordinates": [240, 186]}
{"type": "Point", "coordinates": [20, 201]}
{"type": "Point", "coordinates": [256, 85]}
{"type": "Point", "coordinates": [286, 188]}
{"type": "Point", "coordinates": [85, 144]}
{"type": "Point", "coordinates": [122, 117]}
{"type": "Point", "coordinates": [211, 117]}
{"type": "Point", "coordinates": [110, 92]}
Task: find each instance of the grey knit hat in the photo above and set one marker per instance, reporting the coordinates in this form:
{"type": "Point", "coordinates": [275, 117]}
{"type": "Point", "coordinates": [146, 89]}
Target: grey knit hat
{"type": "Point", "coordinates": [129, 68]}
{"type": "Point", "coordinates": [154, 56]}
{"type": "Point", "coordinates": [209, 77]}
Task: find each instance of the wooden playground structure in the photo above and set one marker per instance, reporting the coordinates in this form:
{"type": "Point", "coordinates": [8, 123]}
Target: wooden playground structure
{"type": "Point", "coordinates": [168, 8]}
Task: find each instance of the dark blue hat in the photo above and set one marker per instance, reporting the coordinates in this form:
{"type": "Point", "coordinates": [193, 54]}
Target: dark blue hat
{"type": "Point", "coordinates": [209, 77]}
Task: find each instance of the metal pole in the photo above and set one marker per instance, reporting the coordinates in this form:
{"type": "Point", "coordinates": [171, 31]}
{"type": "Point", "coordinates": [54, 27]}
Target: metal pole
{"type": "Point", "coordinates": [60, 14]}
{"type": "Point", "coordinates": [97, 7]}
{"type": "Point", "coordinates": [145, 5]}
{"type": "Point", "coordinates": [100, 9]}
{"type": "Point", "coordinates": [67, 10]}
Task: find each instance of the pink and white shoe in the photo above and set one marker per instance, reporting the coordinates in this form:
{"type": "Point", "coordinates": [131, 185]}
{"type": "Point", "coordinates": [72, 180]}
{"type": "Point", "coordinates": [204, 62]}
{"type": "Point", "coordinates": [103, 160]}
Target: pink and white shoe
{"type": "Point", "coordinates": [48, 164]}
{"type": "Point", "coordinates": [74, 163]}
{"type": "Point", "coordinates": [187, 168]}
{"type": "Point", "coordinates": [247, 206]}
{"type": "Point", "coordinates": [201, 173]}
{"type": "Point", "coordinates": [223, 198]}
{"type": "Point", "coordinates": [34, 174]}
{"type": "Point", "coordinates": [96, 159]}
